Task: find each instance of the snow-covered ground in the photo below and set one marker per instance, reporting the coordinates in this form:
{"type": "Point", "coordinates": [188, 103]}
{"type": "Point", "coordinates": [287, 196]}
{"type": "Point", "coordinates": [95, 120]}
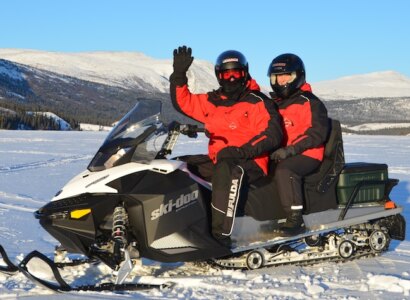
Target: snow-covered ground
{"type": "Point", "coordinates": [376, 126]}
{"type": "Point", "coordinates": [34, 165]}
{"type": "Point", "coordinates": [93, 127]}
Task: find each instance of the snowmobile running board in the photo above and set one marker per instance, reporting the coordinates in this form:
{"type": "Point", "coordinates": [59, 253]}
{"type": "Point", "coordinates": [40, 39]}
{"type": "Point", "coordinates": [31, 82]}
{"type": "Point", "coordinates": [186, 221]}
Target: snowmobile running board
{"type": "Point", "coordinates": [238, 248]}
{"type": "Point", "coordinates": [63, 286]}
{"type": "Point", "coordinates": [359, 236]}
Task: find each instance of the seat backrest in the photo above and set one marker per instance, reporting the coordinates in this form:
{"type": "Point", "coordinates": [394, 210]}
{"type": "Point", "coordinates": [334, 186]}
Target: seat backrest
{"type": "Point", "coordinates": [320, 187]}
{"type": "Point", "coordinates": [333, 160]}
{"type": "Point", "coordinates": [334, 143]}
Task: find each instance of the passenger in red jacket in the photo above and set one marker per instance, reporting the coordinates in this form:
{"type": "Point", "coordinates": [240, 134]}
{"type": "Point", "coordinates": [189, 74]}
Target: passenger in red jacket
{"type": "Point", "coordinates": [305, 128]}
{"type": "Point", "coordinates": [242, 124]}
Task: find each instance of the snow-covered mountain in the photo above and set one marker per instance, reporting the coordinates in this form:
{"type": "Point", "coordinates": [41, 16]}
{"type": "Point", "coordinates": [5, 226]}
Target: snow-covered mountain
{"type": "Point", "coordinates": [100, 87]}
{"type": "Point", "coordinates": [121, 69]}
{"type": "Point", "coordinates": [137, 70]}
{"type": "Point", "coordinates": [59, 121]}
{"type": "Point", "coordinates": [388, 84]}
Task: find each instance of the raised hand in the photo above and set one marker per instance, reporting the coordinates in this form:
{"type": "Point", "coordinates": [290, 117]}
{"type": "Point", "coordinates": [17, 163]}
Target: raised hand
{"type": "Point", "coordinates": [182, 59]}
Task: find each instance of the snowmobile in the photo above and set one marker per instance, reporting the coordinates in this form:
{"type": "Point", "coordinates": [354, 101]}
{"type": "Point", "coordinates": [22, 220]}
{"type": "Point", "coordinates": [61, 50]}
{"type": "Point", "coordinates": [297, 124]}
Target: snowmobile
{"type": "Point", "coordinates": [136, 200]}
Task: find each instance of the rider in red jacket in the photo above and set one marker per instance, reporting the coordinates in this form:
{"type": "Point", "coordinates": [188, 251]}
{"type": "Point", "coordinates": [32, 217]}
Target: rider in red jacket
{"type": "Point", "coordinates": [242, 124]}
{"type": "Point", "coordinates": [305, 128]}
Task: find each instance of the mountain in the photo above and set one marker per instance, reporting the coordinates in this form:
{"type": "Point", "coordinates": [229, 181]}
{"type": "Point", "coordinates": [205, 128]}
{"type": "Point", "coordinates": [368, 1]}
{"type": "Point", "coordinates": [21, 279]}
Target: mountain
{"type": "Point", "coordinates": [94, 87]}
{"type": "Point", "coordinates": [129, 70]}
{"type": "Point", "coordinates": [368, 100]}
{"type": "Point", "coordinates": [99, 87]}
{"type": "Point", "coordinates": [388, 84]}
{"type": "Point", "coordinates": [62, 124]}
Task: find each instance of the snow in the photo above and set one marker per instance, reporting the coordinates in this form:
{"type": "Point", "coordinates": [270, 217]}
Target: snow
{"type": "Point", "coordinates": [376, 126]}
{"type": "Point", "coordinates": [62, 123]}
{"type": "Point", "coordinates": [10, 71]}
{"type": "Point", "coordinates": [94, 127]}
{"type": "Point", "coordinates": [34, 165]}
{"type": "Point", "coordinates": [5, 110]}
{"type": "Point", "coordinates": [387, 84]}
{"type": "Point", "coordinates": [135, 69]}
{"type": "Point", "coordinates": [122, 69]}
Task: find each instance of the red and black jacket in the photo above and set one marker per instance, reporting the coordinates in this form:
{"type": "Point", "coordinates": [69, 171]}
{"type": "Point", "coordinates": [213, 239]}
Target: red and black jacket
{"type": "Point", "coordinates": [305, 122]}
{"type": "Point", "coordinates": [251, 121]}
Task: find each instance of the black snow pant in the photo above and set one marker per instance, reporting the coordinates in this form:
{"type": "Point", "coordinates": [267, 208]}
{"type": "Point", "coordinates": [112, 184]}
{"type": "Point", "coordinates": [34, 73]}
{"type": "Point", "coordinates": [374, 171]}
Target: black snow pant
{"type": "Point", "coordinates": [288, 178]}
{"type": "Point", "coordinates": [228, 178]}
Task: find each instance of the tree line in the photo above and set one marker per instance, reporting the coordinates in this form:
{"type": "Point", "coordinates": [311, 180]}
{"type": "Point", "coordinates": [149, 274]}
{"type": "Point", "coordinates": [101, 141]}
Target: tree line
{"type": "Point", "coordinates": [16, 116]}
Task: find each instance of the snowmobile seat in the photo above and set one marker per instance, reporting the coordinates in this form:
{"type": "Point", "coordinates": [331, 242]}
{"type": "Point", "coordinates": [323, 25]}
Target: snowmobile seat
{"type": "Point", "coordinates": [320, 187]}
{"type": "Point", "coordinates": [262, 199]}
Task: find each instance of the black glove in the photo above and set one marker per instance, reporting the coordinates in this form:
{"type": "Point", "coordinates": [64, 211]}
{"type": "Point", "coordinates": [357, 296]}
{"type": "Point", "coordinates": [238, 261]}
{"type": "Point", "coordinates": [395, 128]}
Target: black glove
{"type": "Point", "coordinates": [190, 130]}
{"type": "Point", "coordinates": [283, 153]}
{"type": "Point", "coordinates": [182, 59]}
{"type": "Point", "coordinates": [232, 152]}
{"type": "Point", "coordinates": [174, 125]}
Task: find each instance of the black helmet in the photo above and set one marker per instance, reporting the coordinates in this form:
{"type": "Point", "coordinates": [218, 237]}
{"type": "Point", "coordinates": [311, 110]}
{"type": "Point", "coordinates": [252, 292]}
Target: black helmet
{"type": "Point", "coordinates": [229, 60]}
{"type": "Point", "coordinates": [284, 64]}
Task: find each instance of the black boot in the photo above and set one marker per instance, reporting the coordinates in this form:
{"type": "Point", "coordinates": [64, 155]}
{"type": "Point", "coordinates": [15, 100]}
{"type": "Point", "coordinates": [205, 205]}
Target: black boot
{"type": "Point", "coordinates": [294, 225]}
{"type": "Point", "coordinates": [224, 240]}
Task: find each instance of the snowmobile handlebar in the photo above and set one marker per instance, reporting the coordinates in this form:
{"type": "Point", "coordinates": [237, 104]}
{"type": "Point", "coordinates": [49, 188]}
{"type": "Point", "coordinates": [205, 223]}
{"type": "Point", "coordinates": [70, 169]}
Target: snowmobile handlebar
{"type": "Point", "coordinates": [174, 130]}
{"type": "Point", "coordinates": [189, 130]}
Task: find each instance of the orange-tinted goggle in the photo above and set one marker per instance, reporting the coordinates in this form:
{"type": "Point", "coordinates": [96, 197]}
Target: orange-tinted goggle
{"type": "Point", "coordinates": [235, 73]}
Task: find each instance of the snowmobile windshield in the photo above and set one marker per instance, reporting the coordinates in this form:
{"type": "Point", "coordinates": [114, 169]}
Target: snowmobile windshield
{"type": "Point", "coordinates": [137, 137]}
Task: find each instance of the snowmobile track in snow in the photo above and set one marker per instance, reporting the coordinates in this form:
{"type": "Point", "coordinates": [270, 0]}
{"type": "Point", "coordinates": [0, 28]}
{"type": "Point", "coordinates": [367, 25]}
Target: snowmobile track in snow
{"type": "Point", "coordinates": [47, 163]}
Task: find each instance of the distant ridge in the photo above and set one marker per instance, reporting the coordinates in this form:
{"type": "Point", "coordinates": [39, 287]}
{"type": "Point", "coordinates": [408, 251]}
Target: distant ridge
{"type": "Point", "coordinates": [100, 87]}
{"type": "Point", "coordinates": [121, 69]}
{"type": "Point", "coordinates": [137, 70]}
{"type": "Point", "coordinates": [387, 84]}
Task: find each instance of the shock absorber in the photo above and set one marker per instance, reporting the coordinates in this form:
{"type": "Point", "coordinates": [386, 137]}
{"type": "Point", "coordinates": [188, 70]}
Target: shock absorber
{"type": "Point", "coordinates": [119, 227]}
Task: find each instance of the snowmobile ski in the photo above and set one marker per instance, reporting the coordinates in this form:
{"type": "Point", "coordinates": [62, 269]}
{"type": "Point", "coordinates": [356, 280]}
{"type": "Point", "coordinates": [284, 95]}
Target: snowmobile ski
{"type": "Point", "coordinates": [9, 268]}
{"type": "Point", "coordinates": [62, 286]}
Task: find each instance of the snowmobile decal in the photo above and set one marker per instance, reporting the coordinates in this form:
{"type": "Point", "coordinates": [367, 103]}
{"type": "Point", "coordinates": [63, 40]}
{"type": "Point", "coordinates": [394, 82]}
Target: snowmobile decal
{"type": "Point", "coordinates": [97, 181]}
{"type": "Point", "coordinates": [181, 202]}
{"type": "Point", "coordinates": [79, 213]}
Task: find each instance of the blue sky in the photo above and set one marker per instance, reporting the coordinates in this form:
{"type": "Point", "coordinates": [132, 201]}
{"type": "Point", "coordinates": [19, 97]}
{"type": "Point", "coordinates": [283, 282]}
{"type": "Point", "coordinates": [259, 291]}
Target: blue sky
{"type": "Point", "coordinates": [334, 38]}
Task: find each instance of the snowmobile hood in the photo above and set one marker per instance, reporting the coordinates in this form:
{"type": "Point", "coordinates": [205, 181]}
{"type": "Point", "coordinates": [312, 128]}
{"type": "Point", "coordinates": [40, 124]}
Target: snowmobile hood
{"type": "Point", "coordinates": [96, 182]}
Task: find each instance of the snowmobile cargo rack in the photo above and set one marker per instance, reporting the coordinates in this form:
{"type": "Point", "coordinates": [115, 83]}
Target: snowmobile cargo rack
{"type": "Point", "coordinates": [387, 184]}
{"type": "Point", "coordinates": [354, 173]}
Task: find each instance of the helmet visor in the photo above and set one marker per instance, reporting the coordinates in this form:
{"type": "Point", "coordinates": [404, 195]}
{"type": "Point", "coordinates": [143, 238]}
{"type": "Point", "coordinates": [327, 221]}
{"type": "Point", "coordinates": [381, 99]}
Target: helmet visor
{"type": "Point", "coordinates": [235, 73]}
{"type": "Point", "coordinates": [274, 79]}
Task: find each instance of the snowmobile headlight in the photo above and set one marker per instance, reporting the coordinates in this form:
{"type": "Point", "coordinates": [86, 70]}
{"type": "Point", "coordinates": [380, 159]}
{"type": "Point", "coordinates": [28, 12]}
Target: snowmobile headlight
{"type": "Point", "coordinates": [79, 213]}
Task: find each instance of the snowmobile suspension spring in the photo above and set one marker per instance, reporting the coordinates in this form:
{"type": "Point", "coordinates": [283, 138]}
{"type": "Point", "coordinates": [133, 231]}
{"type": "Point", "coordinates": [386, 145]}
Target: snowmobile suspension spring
{"type": "Point", "coordinates": [120, 221]}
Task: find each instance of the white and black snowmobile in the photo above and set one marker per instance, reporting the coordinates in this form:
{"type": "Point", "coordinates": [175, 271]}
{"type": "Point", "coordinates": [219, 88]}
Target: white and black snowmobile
{"type": "Point", "coordinates": [134, 202]}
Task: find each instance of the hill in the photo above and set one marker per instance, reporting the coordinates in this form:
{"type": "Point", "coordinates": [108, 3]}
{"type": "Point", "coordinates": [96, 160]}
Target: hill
{"type": "Point", "coordinates": [99, 87]}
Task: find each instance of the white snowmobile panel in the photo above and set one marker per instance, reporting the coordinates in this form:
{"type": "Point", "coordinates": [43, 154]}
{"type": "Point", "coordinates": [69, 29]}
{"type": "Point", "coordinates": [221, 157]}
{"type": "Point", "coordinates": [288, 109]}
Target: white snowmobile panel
{"type": "Point", "coordinates": [96, 182]}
